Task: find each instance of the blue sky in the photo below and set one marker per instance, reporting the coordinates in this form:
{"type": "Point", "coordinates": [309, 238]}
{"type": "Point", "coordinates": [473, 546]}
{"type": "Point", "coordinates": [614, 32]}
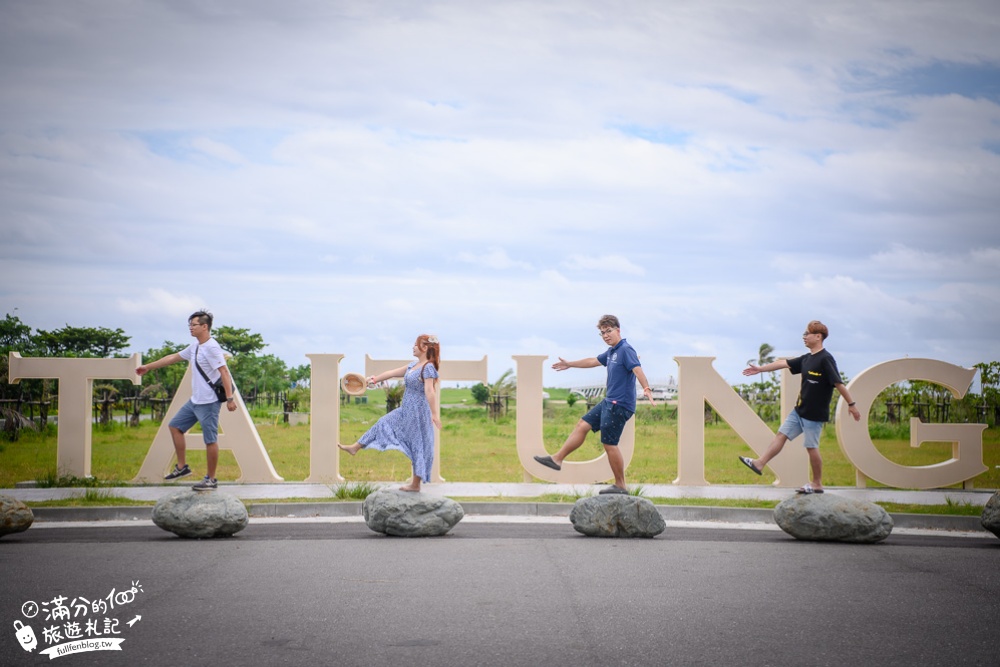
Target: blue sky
{"type": "Point", "coordinates": [343, 176]}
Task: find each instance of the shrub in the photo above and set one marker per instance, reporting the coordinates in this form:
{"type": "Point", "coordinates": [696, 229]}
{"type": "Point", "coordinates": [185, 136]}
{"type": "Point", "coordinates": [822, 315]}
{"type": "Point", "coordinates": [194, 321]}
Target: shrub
{"type": "Point", "coordinates": [480, 393]}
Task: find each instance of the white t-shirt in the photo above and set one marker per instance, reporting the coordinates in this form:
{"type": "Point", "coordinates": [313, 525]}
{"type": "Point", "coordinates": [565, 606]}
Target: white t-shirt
{"type": "Point", "coordinates": [211, 359]}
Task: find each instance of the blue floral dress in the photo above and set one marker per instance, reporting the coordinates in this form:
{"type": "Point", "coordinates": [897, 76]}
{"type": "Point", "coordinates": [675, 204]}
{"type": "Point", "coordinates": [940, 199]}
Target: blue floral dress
{"type": "Point", "coordinates": [408, 428]}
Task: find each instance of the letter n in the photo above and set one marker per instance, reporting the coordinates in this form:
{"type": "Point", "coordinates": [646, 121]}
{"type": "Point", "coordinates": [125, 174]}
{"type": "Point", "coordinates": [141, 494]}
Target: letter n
{"type": "Point", "coordinates": [699, 383]}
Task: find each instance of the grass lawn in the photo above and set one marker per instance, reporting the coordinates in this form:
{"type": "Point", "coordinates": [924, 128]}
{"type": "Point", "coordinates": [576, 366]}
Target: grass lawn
{"type": "Point", "coordinates": [474, 448]}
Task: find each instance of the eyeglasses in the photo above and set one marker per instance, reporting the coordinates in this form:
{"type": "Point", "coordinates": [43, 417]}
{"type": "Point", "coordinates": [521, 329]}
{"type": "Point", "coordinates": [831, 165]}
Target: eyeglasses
{"type": "Point", "coordinates": [605, 332]}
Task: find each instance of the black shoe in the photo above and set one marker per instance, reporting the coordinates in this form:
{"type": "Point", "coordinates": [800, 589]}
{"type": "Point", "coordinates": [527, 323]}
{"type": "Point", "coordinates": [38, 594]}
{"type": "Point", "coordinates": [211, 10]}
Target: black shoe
{"type": "Point", "coordinates": [613, 489]}
{"type": "Point", "coordinates": [548, 462]}
{"type": "Point", "coordinates": [207, 484]}
{"type": "Point", "coordinates": [748, 462]}
{"type": "Point", "coordinates": [179, 472]}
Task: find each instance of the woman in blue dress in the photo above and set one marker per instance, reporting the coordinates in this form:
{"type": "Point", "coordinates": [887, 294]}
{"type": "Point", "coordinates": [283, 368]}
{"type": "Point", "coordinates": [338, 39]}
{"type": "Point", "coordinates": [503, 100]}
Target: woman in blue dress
{"type": "Point", "coordinates": [410, 428]}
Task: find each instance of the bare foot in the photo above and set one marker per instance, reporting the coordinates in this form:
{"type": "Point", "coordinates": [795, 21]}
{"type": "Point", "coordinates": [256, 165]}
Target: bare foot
{"type": "Point", "coordinates": [410, 489]}
{"type": "Point", "coordinates": [350, 449]}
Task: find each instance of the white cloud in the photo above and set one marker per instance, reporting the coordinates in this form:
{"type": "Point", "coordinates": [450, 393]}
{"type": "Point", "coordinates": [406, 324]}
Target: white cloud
{"type": "Point", "coordinates": [218, 150]}
{"type": "Point", "coordinates": [160, 302]}
{"type": "Point", "coordinates": [493, 258]}
{"type": "Point", "coordinates": [605, 265]}
{"type": "Point", "coordinates": [341, 178]}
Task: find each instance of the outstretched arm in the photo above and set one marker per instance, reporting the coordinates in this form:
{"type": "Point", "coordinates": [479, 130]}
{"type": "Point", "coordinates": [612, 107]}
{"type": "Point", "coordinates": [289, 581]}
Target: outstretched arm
{"type": "Point", "coordinates": [589, 362]}
{"type": "Point", "coordinates": [388, 375]}
{"type": "Point", "coordinates": [766, 368]}
{"type": "Point", "coordinates": [159, 363]}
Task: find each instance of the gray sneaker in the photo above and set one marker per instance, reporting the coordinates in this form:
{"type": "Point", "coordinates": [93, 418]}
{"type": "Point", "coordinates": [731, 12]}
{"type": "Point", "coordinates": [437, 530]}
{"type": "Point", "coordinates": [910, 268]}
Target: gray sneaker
{"type": "Point", "coordinates": [179, 472]}
{"type": "Point", "coordinates": [207, 484]}
{"type": "Point", "coordinates": [613, 489]}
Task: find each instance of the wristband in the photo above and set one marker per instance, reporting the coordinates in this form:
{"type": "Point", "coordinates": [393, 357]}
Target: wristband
{"type": "Point", "coordinates": [851, 405]}
{"type": "Point", "coordinates": [233, 398]}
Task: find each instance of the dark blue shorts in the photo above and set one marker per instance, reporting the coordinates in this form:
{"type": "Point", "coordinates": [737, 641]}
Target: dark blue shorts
{"type": "Point", "coordinates": [608, 418]}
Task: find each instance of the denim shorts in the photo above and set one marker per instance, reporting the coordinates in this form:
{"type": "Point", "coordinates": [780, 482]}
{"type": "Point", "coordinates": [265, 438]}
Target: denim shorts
{"type": "Point", "coordinates": [795, 425]}
{"type": "Point", "coordinates": [608, 418]}
{"type": "Point", "coordinates": [206, 414]}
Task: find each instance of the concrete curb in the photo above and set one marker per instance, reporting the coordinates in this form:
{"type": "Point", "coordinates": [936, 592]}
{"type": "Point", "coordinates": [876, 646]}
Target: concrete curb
{"type": "Point", "coordinates": [499, 509]}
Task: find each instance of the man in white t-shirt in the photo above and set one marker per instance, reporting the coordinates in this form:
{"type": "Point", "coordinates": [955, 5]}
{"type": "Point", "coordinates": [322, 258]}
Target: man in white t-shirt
{"type": "Point", "coordinates": [203, 408]}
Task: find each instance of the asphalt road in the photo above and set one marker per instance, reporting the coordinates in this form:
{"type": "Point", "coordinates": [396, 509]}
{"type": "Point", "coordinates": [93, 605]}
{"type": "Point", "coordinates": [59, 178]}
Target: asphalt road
{"type": "Point", "coordinates": [502, 594]}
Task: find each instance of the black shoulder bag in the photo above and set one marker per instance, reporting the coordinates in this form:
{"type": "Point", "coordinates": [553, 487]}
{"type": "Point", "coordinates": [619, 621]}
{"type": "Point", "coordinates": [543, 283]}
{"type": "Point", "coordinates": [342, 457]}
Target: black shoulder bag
{"type": "Point", "coordinates": [220, 391]}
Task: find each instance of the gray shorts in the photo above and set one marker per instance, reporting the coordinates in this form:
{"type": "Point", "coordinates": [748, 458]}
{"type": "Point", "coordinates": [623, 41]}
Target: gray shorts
{"type": "Point", "coordinates": [206, 414]}
{"type": "Point", "coordinates": [795, 425]}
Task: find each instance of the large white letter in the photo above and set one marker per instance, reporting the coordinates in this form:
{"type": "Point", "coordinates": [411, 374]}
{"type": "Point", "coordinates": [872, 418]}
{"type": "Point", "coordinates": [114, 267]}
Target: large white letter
{"type": "Point", "coordinates": [236, 434]}
{"type": "Point", "coordinates": [324, 419]}
{"type": "Point", "coordinates": [451, 369]}
{"type": "Point", "coordinates": [698, 383]}
{"type": "Point", "coordinates": [966, 439]}
{"type": "Point", "coordinates": [76, 392]}
{"type": "Point", "coordinates": [529, 433]}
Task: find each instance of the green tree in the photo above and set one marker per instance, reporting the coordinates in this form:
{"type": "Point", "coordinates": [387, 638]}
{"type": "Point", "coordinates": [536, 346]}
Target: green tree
{"type": "Point", "coordinates": [764, 391]}
{"type": "Point", "coordinates": [299, 373]}
{"type": "Point", "coordinates": [480, 393]}
{"type": "Point", "coordinates": [259, 373]}
{"type": "Point", "coordinates": [506, 384]}
{"type": "Point", "coordinates": [167, 378]}
{"type": "Point", "coordinates": [70, 341]}
{"type": "Point", "coordinates": [238, 341]}
{"type": "Point", "coordinates": [252, 372]}
{"type": "Point", "coordinates": [765, 355]}
{"type": "Point", "coordinates": [989, 381]}
{"type": "Point", "coordinates": [15, 336]}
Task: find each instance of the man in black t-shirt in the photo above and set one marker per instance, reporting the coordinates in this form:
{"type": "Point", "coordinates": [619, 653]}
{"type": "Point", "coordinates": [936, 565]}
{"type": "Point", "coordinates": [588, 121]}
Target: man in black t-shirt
{"type": "Point", "coordinates": [819, 378]}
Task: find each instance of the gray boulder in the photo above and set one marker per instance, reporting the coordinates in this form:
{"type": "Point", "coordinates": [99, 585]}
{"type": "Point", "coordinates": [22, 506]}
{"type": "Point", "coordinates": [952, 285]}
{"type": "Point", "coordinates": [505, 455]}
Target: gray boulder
{"type": "Point", "coordinates": [407, 514]}
{"type": "Point", "coordinates": [616, 516]}
{"type": "Point", "coordinates": [201, 514]}
{"type": "Point", "coordinates": [991, 514]}
{"type": "Point", "coordinates": [831, 518]}
{"type": "Point", "coordinates": [15, 516]}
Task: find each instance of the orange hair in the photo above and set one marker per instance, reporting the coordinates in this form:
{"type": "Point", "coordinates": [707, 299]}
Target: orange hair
{"type": "Point", "coordinates": [818, 327]}
{"type": "Point", "coordinates": [433, 347]}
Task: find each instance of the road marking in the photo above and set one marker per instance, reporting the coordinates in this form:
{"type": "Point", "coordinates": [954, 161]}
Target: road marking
{"type": "Point", "coordinates": [504, 519]}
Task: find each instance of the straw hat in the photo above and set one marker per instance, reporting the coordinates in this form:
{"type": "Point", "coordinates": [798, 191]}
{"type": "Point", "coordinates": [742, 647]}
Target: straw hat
{"type": "Point", "coordinates": [354, 384]}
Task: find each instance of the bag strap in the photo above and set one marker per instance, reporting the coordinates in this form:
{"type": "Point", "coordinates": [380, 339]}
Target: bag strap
{"type": "Point", "coordinates": [207, 381]}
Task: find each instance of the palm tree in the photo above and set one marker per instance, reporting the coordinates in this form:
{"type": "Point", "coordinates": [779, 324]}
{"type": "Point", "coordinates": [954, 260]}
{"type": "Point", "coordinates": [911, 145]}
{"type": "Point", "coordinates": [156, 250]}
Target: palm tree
{"type": "Point", "coordinates": [764, 356]}
{"type": "Point", "coordinates": [501, 391]}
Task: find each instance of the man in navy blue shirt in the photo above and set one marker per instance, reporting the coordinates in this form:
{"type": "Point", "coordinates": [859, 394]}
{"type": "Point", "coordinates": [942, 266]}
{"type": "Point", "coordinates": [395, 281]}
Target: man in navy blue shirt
{"type": "Point", "coordinates": [819, 378]}
{"type": "Point", "coordinates": [610, 415]}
